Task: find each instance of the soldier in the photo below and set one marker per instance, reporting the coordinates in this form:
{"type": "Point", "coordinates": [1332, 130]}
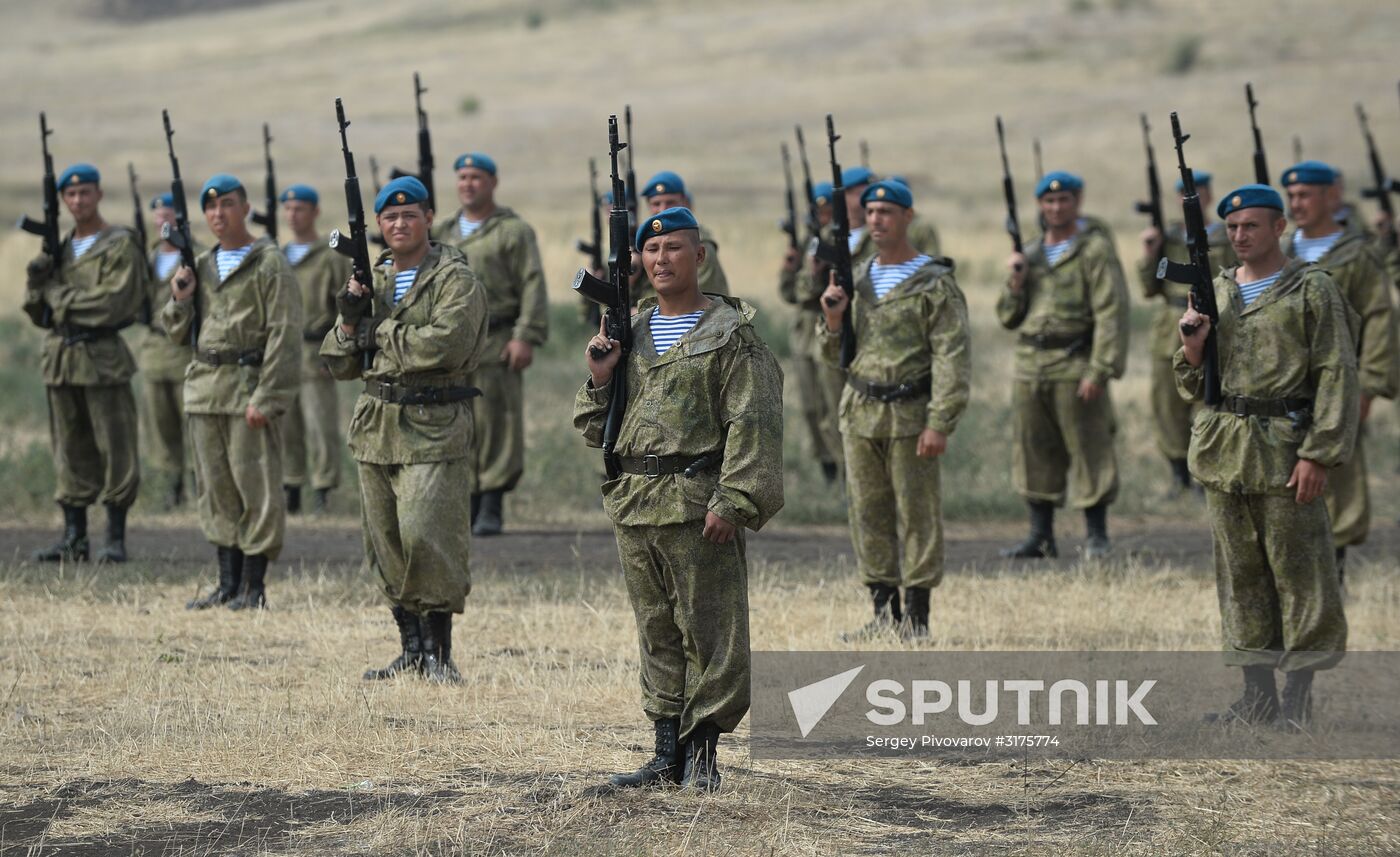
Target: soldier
{"type": "Point", "coordinates": [667, 190]}
{"type": "Point", "coordinates": [1264, 453]}
{"type": "Point", "coordinates": [1350, 260]}
{"type": "Point", "coordinates": [1171, 414]}
{"type": "Point", "coordinates": [313, 423]}
{"type": "Point", "coordinates": [163, 365]}
{"type": "Point", "coordinates": [93, 289]}
{"type": "Point", "coordinates": [504, 255]}
{"type": "Point", "coordinates": [422, 330]}
{"type": "Point", "coordinates": [1067, 296]}
{"type": "Point", "coordinates": [700, 450]}
{"type": "Point", "coordinates": [243, 379]}
{"type": "Point", "coordinates": [906, 390]}
{"type": "Point", "coordinates": [855, 180]}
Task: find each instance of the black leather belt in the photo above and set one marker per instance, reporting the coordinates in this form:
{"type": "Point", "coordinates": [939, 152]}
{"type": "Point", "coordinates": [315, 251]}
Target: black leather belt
{"type": "Point", "coordinates": [247, 357]}
{"type": "Point", "coordinates": [1244, 406]}
{"type": "Point", "coordinates": [1071, 342]}
{"type": "Point", "coordinates": [315, 335]}
{"type": "Point", "coordinates": [652, 466]}
{"type": "Point", "coordinates": [399, 394]}
{"type": "Point", "coordinates": [75, 333]}
{"type": "Point", "coordinates": [891, 392]}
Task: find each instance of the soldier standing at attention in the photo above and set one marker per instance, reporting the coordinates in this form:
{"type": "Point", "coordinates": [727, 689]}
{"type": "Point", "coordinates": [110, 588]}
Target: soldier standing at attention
{"type": "Point", "coordinates": [1171, 414]}
{"type": "Point", "coordinates": [667, 190]}
{"type": "Point", "coordinates": [1068, 297]}
{"type": "Point", "coordinates": [503, 253]}
{"type": "Point", "coordinates": [243, 378]}
{"type": "Point", "coordinates": [423, 328]}
{"type": "Point", "coordinates": [163, 365]}
{"type": "Point", "coordinates": [311, 429]}
{"type": "Point", "coordinates": [700, 454]}
{"type": "Point", "coordinates": [1288, 415]}
{"type": "Point", "coordinates": [92, 290]}
{"type": "Point", "coordinates": [906, 390]}
{"type": "Point", "coordinates": [1350, 260]}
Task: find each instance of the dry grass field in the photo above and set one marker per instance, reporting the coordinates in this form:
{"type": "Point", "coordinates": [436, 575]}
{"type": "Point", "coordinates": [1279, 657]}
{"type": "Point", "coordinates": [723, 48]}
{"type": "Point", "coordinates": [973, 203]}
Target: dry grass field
{"type": "Point", "coordinates": [129, 726]}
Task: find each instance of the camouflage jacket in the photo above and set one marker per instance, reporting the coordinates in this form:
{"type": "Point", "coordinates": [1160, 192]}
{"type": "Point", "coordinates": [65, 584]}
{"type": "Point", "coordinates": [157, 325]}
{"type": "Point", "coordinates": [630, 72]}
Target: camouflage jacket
{"type": "Point", "coordinates": [809, 287]}
{"type": "Point", "coordinates": [711, 274]}
{"type": "Point", "coordinates": [160, 358]}
{"type": "Point", "coordinates": [1084, 293]}
{"type": "Point", "coordinates": [1360, 274]}
{"type": "Point", "coordinates": [918, 329]}
{"type": "Point", "coordinates": [718, 387]}
{"type": "Point", "coordinates": [321, 274]}
{"type": "Point", "coordinates": [256, 309]}
{"type": "Point", "coordinates": [1294, 341]}
{"type": "Point", "coordinates": [434, 337]}
{"type": "Point", "coordinates": [103, 289]}
{"type": "Point", "coordinates": [1164, 338]}
{"type": "Point", "coordinates": [505, 258]}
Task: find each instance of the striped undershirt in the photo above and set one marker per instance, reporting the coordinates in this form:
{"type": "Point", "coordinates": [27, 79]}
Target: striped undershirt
{"type": "Point", "coordinates": [667, 329]}
{"type": "Point", "coordinates": [1250, 292]}
{"type": "Point", "coordinates": [1053, 252]}
{"type": "Point", "coordinates": [297, 251]}
{"type": "Point", "coordinates": [166, 263]}
{"type": "Point", "coordinates": [228, 261]}
{"type": "Point", "coordinates": [82, 245]}
{"type": "Point", "coordinates": [466, 227]}
{"type": "Point", "coordinates": [886, 277]}
{"type": "Point", "coordinates": [403, 281]}
{"type": "Point", "coordinates": [1312, 249]}
{"type": "Point", "coordinates": [856, 234]}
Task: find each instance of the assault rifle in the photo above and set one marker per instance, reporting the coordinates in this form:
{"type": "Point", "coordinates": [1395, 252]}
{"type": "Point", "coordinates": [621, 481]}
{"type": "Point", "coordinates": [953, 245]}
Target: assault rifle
{"type": "Point", "coordinates": [138, 223]}
{"type": "Point", "coordinates": [46, 229]}
{"type": "Point", "coordinates": [1008, 190]}
{"type": "Point", "coordinates": [1261, 166]}
{"type": "Point", "coordinates": [1382, 187]}
{"type": "Point", "coordinates": [789, 223]}
{"type": "Point", "coordinates": [631, 188]}
{"type": "Point", "coordinates": [814, 223]}
{"type": "Point", "coordinates": [267, 218]}
{"type": "Point", "coordinates": [838, 252]}
{"type": "Point", "coordinates": [177, 234]}
{"type": "Point", "coordinates": [593, 248]}
{"type": "Point", "coordinates": [1152, 207]}
{"type": "Point", "coordinates": [425, 147]}
{"type": "Point", "coordinates": [355, 245]}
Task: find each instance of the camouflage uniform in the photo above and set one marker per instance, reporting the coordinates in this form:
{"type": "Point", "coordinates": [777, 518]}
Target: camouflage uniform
{"type": "Point", "coordinates": [717, 388]}
{"type": "Point", "coordinates": [1062, 442]}
{"type": "Point", "coordinates": [253, 317]}
{"type": "Point", "coordinates": [504, 256]}
{"type": "Point", "coordinates": [415, 459]}
{"type": "Point", "coordinates": [711, 274]}
{"type": "Point", "coordinates": [818, 385]}
{"type": "Point", "coordinates": [918, 332]}
{"type": "Point", "coordinates": [163, 365]}
{"type": "Point", "coordinates": [1360, 276]}
{"type": "Point", "coordinates": [1280, 603]}
{"type": "Point", "coordinates": [311, 429]}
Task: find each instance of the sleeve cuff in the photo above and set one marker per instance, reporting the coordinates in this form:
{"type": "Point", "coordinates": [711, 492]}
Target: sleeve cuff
{"type": "Point", "coordinates": [727, 510]}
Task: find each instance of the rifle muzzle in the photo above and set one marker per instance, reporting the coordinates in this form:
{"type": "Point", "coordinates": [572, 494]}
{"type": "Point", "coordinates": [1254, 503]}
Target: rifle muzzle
{"type": "Point", "coordinates": [341, 244]}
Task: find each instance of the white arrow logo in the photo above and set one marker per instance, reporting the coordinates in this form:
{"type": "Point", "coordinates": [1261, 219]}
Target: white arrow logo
{"type": "Point", "coordinates": [810, 703]}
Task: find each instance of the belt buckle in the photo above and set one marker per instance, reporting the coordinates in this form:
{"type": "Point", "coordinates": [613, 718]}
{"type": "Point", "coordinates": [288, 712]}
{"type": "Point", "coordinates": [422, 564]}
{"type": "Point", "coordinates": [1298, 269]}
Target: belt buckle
{"type": "Point", "coordinates": [386, 392]}
{"type": "Point", "coordinates": [651, 466]}
{"type": "Point", "coordinates": [1239, 406]}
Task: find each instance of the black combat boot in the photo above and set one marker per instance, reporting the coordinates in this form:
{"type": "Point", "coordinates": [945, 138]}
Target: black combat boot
{"type": "Point", "coordinates": [665, 767]}
{"type": "Point", "coordinates": [73, 546]}
{"type": "Point", "coordinates": [1096, 530]}
{"type": "Point", "coordinates": [915, 613]}
{"type": "Point", "coordinates": [701, 768]}
{"type": "Point", "coordinates": [437, 648]}
{"type": "Point", "coordinates": [491, 517]}
{"type": "Point", "coordinates": [293, 493]}
{"type": "Point", "coordinates": [830, 472]}
{"type": "Point", "coordinates": [252, 595]}
{"type": "Point", "coordinates": [175, 494]}
{"type": "Point", "coordinates": [1040, 544]}
{"type": "Point", "coordinates": [230, 579]}
{"type": "Point", "coordinates": [321, 502]}
{"type": "Point", "coordinates": [1297, 700]}
{"type": "Point", "coordinates": [1258, 705]}
{"type": "Point", "coordinates": [1341, 554]}
{"type": "Point", "coordinates": [1181, 476]}
{"type": "Point", "coordinates": [411, 638]}
{"type": "Point", "coordinates": [115, 548]}
{"type": "Point", "coordinates": [885, 599]}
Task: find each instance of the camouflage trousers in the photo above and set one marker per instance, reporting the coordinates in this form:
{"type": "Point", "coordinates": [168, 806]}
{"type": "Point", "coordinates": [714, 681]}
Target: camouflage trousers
{"type": "Point", "coordinates": [239, 473]}
{"type": "Point", "coordinates": [1349, 498]}
{"type": "Point", "coordinates": [1171, 414]}
{"type": "Point", "coordinates": [499, 416]}
{"type": "Point", "coordinates": [416, 520]}
{"type": "Point", "coordinates": [819, 393]}
{"type": "Point", "coordinates": [895, 503]}
{"type": "Point", "coordinates": [311, 435]}
{"type": "Point", "coordinates": [1280, 601]}
{"type": "Point", "coordinates": [690, 598]}
{"type": "Point", "coordinates": [94, 437]}
{"type": "Point", "coordinates": [163, 426]}
{"type": "Point", "coordinates": [1063, 445]}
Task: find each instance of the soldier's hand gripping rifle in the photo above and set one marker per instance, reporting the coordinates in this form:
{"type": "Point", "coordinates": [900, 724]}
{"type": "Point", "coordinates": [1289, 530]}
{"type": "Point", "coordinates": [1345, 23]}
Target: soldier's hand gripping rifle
{"type": "Point", "coordinates": [355, 245]}
{"type": "Point", "coordinates": [267, 218]}
{"type": "Point", "coordinates": [1261, 166]}
{"type": "Point", "coordinates": [46, 229]}
{"type": "Point", "coordinates": [1008, 190]}
{"type": "Point", "coordinates": [1381, 187]}
{"type": "Point", "coordinates": [837, 254]}
{"type": "Point", "coordinates": [177, 234]}
{"type": "Point", "coordinates": [614, 297]}
{"type": "Point", "coordinates": [1197, 274]}
{"type": "Point", "coordinates": [789, 223]}
{"type": "Point", "coordinates": [1152, 206]}
{"type": "Point", "coordinates": [138, 223]}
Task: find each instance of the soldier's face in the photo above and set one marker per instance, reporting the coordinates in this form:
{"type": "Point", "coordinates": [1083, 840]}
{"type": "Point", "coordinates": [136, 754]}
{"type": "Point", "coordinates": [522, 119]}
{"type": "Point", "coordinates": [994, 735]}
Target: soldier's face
{"type": "Point", "coordinates": [855, 211]}
{"type": "Point", "coordinates": [225, 213]}
{"type": "Point", "coordinates": [475, 188]}
{"type": "Point", "coordinates": [672, 261]}
{"type": "Point", "coordinates": [1059, 208]}
{"type": "Point", "coordinates": [1254, 233]}
{"type": "Point", "coordinates": [82, 200]}
{"type": "Point", "coordinates": [301, 215]}
{"type": "Point", "coordinates": [405, 227]}
{"type": "Point", "coordinates": [162, 216]}
{"type": "Point", "coordinates": [888, 223]}
{"type": "Point", "coordinates": [662, 201]}
{"type": "Point", "coordinates": [1310, 205]}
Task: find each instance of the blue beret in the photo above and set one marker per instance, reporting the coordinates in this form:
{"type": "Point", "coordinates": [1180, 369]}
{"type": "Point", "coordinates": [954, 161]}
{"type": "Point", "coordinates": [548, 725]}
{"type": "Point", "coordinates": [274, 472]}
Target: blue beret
{"type": "Point", "coordinates": [1200, 177]}
{"type": "Point", "coordinates": [664, 182]}
{"type": "Point", "coordinates": [1249, 196]}
{"type": "Point", "coordinates": [79, 174]}
{"type": "Point", "coordinates": [901, 180]}
{"type": "Point", "coordinates": [853, 176]}
{"type": "Point", "coordinates": [821, 193]}
{"type": "Point", "coordinates": [477, 161]}
{"type": "Point", "coordinates": [1058, 180]}
{"type": "Point", "coordinates": [164, 200]}
{"type": "Point", "coordinates": [404, 190]}
{"type": "Point", "coordinates": [301, 193]}
{"type": "Point", "coordinates": [218, 185]}
{"type": "Point", "coordinates": [670, 220]}
{"type": "Point", "coordinates": [888, 191]}
{"type": "Point", "coordinates": [1309, 172]}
